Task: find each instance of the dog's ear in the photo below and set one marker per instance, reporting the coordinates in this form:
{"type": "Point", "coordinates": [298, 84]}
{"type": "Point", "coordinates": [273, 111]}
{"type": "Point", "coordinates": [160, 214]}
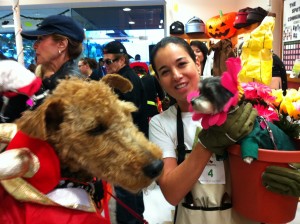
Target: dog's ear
{"type": "Point", "coordinates": [118, 82]}
{"type": "Point", "coordinates": [41, 122]}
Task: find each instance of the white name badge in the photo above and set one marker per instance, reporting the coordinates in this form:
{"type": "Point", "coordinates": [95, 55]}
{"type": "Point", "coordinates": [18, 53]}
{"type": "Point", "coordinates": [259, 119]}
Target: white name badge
{"type": "Point", "coordinates": [213, 173]}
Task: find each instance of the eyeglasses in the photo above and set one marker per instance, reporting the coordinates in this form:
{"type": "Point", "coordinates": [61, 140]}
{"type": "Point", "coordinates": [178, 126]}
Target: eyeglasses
{"type": "Point", "coordinates": [110, 61]}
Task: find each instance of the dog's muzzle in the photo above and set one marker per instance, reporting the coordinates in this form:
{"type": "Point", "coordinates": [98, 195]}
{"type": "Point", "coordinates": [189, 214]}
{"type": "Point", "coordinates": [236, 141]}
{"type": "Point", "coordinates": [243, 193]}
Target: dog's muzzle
{"type": "Point", "coordinates": [201, 105]}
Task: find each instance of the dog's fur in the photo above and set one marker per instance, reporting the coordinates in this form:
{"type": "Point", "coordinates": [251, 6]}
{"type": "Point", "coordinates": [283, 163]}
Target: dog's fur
{"type": "Point", "coordinates": [93, 134]}
{"type": "Point", "coordinates": [213, 96]}
{"type": "Point", "coordinates": [212, 99]}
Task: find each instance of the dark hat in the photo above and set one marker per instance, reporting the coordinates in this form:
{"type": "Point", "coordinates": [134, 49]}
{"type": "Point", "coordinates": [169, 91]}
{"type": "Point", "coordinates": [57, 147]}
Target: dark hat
{"type": "Point", "coordinates": [256, 15]}
{"type": "Point", "coordinates": [241, 18]}
{"type": "Point", "coordinates": [142, 65]}
{"type": "Point", "coordinates": [115, 47]}
{"type": "Point", "coordinates": [57, 24]}
{"type": "Point", "coordinates": [177, 28]}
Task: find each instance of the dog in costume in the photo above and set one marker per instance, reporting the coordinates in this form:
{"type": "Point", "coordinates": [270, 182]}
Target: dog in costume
{"type": "Point", "coordinates": [51, 154]}
{"type": "Point", "coordinates": [218, 96]}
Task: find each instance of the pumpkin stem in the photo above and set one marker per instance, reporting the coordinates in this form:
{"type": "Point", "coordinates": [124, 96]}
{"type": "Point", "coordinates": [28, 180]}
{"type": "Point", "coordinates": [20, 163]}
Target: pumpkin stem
{"type": "Point", "coordinates": [221, 13]}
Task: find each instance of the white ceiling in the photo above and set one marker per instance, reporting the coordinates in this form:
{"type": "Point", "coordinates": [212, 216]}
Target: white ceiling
{"type": "Point", "coordinates": [32, 14]}
{"type": "Point", "coordinates": [29, 17]}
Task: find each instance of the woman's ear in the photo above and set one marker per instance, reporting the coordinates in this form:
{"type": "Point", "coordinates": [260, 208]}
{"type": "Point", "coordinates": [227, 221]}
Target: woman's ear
{"type": "Point", "coordinates": [63, 44]}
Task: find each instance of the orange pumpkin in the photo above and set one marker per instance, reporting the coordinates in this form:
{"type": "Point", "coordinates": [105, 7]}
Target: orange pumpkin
{"type": "Point", "coordinates": [221, 26]}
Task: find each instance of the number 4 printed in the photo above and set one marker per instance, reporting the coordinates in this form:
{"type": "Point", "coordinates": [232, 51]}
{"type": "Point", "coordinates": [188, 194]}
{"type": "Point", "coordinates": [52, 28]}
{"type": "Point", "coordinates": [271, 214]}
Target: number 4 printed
{"type": "Point", "coordinates": [210, 173]}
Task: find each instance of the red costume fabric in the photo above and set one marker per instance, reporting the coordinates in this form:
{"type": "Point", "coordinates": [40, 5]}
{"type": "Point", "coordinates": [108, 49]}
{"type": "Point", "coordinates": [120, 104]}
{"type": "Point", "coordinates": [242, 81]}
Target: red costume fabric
{"type": "Point", "coordinates": [13, 211]}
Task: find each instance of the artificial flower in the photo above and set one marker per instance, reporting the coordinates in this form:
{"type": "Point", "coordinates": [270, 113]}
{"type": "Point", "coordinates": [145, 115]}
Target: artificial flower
{"type": "Point", "coordinates": [289, 111]}
{"type": "Point", "coordinates": [260, 96]}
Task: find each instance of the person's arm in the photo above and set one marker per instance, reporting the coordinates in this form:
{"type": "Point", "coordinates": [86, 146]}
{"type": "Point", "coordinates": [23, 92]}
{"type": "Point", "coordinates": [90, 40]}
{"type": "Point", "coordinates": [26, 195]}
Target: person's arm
{"type": "Point", "coordinates": [176, 181]}
{"type": "Point", "coordinates": [275, 83]}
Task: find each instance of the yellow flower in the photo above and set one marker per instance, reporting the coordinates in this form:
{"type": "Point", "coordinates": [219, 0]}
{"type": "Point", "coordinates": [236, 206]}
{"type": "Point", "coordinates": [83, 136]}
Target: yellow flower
{"type": "Point", "coordinates": [290, 103]}
{"type": "Point", "coordinates": [278, 96]}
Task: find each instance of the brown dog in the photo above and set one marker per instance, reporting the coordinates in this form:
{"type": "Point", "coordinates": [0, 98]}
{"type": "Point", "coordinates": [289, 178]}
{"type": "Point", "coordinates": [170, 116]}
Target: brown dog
{"type": "Point", "coordinates": [92, 134]}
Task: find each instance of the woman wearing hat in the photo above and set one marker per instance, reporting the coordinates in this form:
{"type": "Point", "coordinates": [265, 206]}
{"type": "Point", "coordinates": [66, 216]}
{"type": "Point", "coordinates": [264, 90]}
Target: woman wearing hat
{"type": "Point", "coordinates": [58, 42]}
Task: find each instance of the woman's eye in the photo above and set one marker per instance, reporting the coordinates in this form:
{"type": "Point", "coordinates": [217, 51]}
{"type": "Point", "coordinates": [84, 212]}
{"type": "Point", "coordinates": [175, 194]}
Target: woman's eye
{"type": "Point", "coordinates": [182, 64]}
{"type": "Point", "coordinates": [164, 72]}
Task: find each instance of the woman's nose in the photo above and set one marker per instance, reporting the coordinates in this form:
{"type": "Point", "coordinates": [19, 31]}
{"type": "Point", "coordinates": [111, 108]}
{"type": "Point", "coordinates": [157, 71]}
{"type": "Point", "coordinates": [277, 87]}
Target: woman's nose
{"type": "Point", "coordinates": [35, 44]}
{"type": "Point", "coordinates": [176, 74]}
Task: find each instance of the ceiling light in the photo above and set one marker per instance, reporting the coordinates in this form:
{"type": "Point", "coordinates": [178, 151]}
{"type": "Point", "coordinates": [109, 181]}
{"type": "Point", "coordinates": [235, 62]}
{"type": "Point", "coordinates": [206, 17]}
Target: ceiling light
{"type": "Point", "coordinates": [126, 9]}
{"type": "Point", "coordinates": [131, 22]}
{"type": "Point", "coordinates": [8, 26]}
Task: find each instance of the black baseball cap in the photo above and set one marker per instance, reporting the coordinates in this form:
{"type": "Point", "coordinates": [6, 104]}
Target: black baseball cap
{"type": "Point", "coordinates": [57, 24]}
{"type": "Point", "coordinates": [115, 47]}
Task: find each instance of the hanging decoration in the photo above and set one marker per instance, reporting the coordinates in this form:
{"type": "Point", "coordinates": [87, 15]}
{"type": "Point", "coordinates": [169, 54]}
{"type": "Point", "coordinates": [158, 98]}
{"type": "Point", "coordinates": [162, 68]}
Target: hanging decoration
{"type": "Point", "coordinates": [221, 26]}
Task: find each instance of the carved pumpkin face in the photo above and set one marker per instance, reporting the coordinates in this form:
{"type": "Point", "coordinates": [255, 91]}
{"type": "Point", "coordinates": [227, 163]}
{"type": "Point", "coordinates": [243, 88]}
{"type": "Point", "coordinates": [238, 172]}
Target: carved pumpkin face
{"type": "Point", "coordinates": [221, 27]}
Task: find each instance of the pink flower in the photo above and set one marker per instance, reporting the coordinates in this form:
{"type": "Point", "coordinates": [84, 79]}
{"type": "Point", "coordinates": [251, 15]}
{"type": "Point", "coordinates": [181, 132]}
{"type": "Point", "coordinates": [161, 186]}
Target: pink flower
{"type": "Point", "coordinates": [267, 112]}
{"type": "Point", "coordinates": [257, 91]}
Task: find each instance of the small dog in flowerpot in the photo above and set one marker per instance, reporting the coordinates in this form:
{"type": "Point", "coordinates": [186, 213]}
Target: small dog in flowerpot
{"type": "Point", "coordinates": [219, 96]}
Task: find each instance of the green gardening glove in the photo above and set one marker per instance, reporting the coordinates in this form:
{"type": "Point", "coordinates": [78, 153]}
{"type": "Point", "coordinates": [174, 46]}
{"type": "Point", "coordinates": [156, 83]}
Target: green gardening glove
{"type": "Point", "coordinates": [238, 124]}
{"type": "Point", "coordinates": [282, 180]}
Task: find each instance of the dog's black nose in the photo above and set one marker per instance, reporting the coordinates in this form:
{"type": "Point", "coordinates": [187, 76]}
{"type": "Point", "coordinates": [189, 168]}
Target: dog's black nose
{"type": "Point", "coordinates": [153, 169]}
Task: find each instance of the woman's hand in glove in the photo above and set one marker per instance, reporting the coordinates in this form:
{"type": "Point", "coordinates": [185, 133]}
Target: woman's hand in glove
{"type": "Point", "coordinates": [238, 125]}
{"type": "Point", "coordinates": [282, 180]}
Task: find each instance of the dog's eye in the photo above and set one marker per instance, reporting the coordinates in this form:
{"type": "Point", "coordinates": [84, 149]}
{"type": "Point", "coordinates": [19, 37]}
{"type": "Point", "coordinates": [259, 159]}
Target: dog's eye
{"type": "Point", "coordinates": [100, 129]}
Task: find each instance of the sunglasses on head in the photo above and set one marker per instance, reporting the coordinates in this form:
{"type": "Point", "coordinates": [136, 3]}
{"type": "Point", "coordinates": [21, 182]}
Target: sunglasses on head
{"type": "Point", "coordinates": [110, 61]}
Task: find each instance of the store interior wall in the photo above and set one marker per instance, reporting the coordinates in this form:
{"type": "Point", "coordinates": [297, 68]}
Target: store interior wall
{"type": "Point", "coordinates": [181, 10]}
{"type": "Point", "coordinates": [205, 9]}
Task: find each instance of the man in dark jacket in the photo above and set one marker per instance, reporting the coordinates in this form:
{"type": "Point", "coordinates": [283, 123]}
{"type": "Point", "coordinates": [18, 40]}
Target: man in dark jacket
{"type": "Point", "coordinates": [116, 60]}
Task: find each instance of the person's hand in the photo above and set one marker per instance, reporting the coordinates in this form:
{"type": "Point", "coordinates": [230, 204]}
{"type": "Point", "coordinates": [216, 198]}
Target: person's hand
{"type": "Point", "coordinates": [238, 125]}
{"type": "Point", "coordinates": [282, 180]}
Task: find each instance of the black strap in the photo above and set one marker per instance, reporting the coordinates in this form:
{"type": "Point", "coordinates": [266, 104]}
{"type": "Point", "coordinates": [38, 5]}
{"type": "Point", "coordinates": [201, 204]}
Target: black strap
{"type": "Point", "coordinates": [180, 138]}
{"type": "Point", "coordinates": [181, 152]}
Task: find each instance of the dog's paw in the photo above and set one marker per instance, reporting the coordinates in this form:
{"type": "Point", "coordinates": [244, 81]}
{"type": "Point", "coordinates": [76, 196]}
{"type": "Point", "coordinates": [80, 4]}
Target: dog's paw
{"type": "Point", "coordinates": [248, 160]}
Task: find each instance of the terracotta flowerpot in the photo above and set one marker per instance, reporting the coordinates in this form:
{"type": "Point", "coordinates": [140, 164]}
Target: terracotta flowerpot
{"type": "Point", "coordinates": [249, 196]}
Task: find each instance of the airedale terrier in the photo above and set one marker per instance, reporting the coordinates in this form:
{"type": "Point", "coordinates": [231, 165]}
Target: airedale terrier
{"type": "Point", "coordinates": [81, 130]}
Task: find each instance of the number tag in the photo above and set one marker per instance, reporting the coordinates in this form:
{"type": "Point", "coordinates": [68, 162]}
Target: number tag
{"type": "Point", "coordinates": [213, 172]}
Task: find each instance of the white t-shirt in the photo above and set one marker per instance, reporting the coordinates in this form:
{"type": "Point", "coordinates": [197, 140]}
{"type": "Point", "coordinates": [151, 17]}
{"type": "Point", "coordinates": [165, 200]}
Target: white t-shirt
{"type": "Point", "coordinates": [163, 131]}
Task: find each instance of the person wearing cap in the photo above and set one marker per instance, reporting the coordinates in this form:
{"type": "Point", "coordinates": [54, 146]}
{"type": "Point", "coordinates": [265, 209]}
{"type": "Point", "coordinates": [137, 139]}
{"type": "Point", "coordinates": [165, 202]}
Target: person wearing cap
{"type": "Point", "coordinates": [116, 60]}
{"type": "Point", "coordinates": [58, 42]}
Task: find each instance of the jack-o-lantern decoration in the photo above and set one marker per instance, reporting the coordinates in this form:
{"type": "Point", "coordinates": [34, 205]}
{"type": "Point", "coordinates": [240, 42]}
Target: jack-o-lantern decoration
{"type": "Point", "coordinates": [221, 26]}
